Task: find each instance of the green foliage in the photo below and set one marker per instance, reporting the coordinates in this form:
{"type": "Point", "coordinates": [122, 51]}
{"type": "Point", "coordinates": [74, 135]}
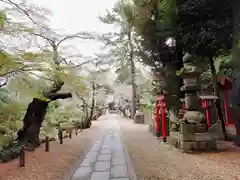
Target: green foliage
{"type": "Point", "coordinates": [11, 111]}
{"type": "Point", "coordinates": [203, 30]}
{"type": "Point", "coordinates": [65, 117]}
{"type": "Point", "coordinates": [150, 106]}
{"type": "Point", "coordinates": [28, 74]}
{"type": "Point", "coordinates": [123, 74]}
{"type": "Point", "coordinates": [11, 152]}
{"type": "Point", "coordinates": [31, 56]}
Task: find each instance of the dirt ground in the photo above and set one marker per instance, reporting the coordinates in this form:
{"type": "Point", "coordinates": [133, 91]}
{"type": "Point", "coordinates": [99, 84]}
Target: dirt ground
{"type": "Point", "coordinates": [55, 164]}
{"type": "Point", "coordinates": [154, 160]}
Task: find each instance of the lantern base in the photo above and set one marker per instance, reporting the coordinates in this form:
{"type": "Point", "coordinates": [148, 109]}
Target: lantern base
{"type": "Point", "coordinates": [189, 141]}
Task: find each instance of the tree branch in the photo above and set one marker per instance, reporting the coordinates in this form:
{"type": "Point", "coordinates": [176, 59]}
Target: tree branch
{"type": "Point", "coordinates": [55, 96]}
{"type": "Point", "coordinates": [20, 9]}
{"type": "Point", "coordinates": [4, 83]}
{"type": "Point", "coordinates": [78, 35]}
{"type": "Point", "coordinates": [44, 37]}
{"type": "Point", "coordinates": [24, 68]}
{"type": "Point", "coordinates": [15, 70]}
{"type": "Point", "coordinates": [48, 79]}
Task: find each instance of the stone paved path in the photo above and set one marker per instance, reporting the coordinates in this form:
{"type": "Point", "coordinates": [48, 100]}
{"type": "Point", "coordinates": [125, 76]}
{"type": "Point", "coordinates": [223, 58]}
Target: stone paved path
{"type": "Point", "coordinates": [106, 159]}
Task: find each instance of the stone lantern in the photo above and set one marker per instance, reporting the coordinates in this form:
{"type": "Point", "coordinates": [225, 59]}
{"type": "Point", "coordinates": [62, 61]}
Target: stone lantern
{"type": "Point", "coordinates": [193, 135]}
{"type": "Point", "coordinates": [193, 115]}
{"type": "Point", "coordinates": [139, 116]}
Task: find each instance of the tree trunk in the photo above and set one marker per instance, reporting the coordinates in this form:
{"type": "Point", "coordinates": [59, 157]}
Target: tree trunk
{"type": "Point", "coordinates": [171, 87]}
{"type": "Point", "coordinates": [216, 92]}
{"type": "Point", "coordinates": [89, 119]}
{"type": "Point", "coordinates": [86, 111]}
{"type": "Point", "coordinates": [93, 101]}
{"type": "Point", "coordinates": [133, 75]}
{"type": "Point", "coordinates": [32, 122]}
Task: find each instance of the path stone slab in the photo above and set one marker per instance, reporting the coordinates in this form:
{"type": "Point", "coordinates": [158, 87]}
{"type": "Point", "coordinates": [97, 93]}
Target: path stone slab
{"type": "Point", "coordinates": [118, 154]}
{"type": "Point", "coordinates": [118, 161]}
{"type": "Point", "coordinates": [107, 143]}
{"type": "Point", "coordinates": [94, 149]}
{"type": "Point", "coordinates": [119, 172]}
{"type": "Point", "coordinates": [104, 157]}
{"type": "Point", "coordinates": [100, 176]}
{"type": "Point", "coordinates": [88, 162]}
{"type": "Point", "coordinates": [102, 166]}
{"type": "Point", "coordinates": [105, 151]}
{"type": "Point", "coordinates": [119, 179]}
{"type": "Point", "coordinates": [92, 156]}
{"type": "Point", "coordinates": [105, 147]}
{"type": "Point", "coordinates": [82, 173]}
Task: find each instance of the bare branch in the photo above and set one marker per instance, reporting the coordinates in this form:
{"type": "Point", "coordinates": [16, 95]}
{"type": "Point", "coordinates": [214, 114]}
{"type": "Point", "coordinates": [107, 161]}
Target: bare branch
{"type": "Point", "coordinates": [64, 60]}
{"type": "Point", "coordinates": [20, 9]}
{"type": "Point", "coordinates": [80, 65]}
{"type": "Point", "coordinates": [72, 56]}
{"type": "Point", "coordinates": [81, 35]}
{"type": "Point", "coordinates": [55, 96]}
{"type": "Point", "coordinates": [51, 42]}
{"type": "Point", "coordinates": [83, 100]}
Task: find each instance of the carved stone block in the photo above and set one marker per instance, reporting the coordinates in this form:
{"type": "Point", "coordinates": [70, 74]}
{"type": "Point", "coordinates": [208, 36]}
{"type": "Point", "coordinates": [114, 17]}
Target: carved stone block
{"type": "Point", "coordinates": [183, 136]}
{"type": "Point", "coordinates": [188, 147]}
{"type": "Point", "coordinates": [202, 146]}
{"type": "Point", "coordinates": [204, 137]}
{"type": "Point", "coordinates": [187, 131]}
{"type": "Point", "coordinates": [212, 145]}
{"type": "Point", "coordinates": [201, 128]}
{"type": "Point", "coordinates": [187, 128]}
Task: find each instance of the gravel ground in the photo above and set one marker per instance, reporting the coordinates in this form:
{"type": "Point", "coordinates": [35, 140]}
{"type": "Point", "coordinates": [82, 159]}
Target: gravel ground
{"type": "Point", "coordinates": [154, 160]}
{"type": "Point", "coordinates": [53, 165]}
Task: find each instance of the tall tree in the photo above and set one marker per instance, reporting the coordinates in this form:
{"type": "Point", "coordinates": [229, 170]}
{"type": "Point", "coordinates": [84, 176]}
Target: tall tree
{"type": "Point", "coordinates": [122, 16]}
{"type": "Point", "coordinates": [206, 34]}
{"type": "Point", "coordinates": [156, 24]}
